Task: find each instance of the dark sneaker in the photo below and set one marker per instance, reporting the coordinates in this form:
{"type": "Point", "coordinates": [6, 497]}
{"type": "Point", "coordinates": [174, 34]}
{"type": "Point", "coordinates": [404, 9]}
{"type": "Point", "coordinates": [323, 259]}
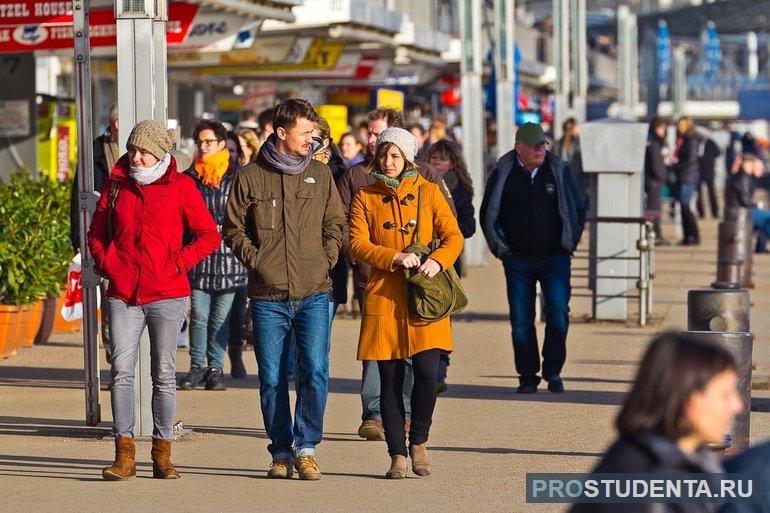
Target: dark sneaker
{"type": "Point", "coordinates": [193, 378]}
{"type": "Point", "coordinates": [555, 385]}
{"type": "Point", "coordinates": [214, 380]}
{"type": "Point", "coordinates": [528, 385]}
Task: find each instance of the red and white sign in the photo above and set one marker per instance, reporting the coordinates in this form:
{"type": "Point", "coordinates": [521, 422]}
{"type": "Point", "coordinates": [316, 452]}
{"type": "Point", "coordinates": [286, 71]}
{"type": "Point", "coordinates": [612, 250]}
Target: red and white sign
{"type": "Point", "coordinates": [38, 32]}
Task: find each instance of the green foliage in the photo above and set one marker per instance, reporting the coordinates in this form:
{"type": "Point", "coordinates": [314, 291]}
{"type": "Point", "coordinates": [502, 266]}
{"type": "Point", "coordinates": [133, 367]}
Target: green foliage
{"type": "Point", "coordinates": [34, 238]}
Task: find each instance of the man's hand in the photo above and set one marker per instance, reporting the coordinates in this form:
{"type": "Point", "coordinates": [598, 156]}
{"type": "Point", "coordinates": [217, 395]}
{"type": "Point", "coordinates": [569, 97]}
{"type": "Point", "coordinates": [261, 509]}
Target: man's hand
{"type": "Point", "coordinates": [407, 260]}
{"type": "Point", "coordinates": [430, 268]}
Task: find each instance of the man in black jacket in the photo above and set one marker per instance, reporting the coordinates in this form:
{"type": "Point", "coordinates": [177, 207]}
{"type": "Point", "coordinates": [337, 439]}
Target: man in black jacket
{"type": "Point", "coordinates": [707, 162]}
{"type": "Point", "coordinates": [656, 175]}
{"type": "Point", "coordinates": [532, 216]}
{"type": "Point", "coordinates": [106, 153]}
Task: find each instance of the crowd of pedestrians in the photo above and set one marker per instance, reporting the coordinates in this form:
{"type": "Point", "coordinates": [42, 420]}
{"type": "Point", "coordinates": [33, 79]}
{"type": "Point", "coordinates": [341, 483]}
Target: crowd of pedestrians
{"type": "Point", "coordinates": [268, 222]}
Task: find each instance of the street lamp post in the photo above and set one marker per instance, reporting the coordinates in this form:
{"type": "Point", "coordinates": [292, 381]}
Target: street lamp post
{"type": "Point", "coordinates": [504, 28]}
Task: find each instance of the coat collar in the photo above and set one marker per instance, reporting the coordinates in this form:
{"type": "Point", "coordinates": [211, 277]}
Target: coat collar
{"type": "Point", "coordinates": [121, 172]}
{"type": "Point", "coordinates": [407, 186]}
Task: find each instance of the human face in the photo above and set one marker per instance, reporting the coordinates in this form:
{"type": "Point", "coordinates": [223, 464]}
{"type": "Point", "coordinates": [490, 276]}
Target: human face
{"type": "Point", "coordinates": [531, 156]}
{"type": "Point", "coordinates": [419, 136]}
{"type": "Point", "coordinates": [660, 131]}
{"type": "Point", "coordinates": [710, 411]}
{"type": "Point", "coordinates": [441, 163]}
{"type": "Point", "coordinates": [141, 158]}
{"type": "Point", "coordinates": [297, 140]}
{"type": "Point", "coordinates": [392, 163]}
{"type": "Point", "coordinates": [208, 144]}
{"type": "Point", "coordinates": [376, 127]}
{"type": "Point", "coordinates": [349, 147]}
{"type": "Point", "coordinates": [245, 149]}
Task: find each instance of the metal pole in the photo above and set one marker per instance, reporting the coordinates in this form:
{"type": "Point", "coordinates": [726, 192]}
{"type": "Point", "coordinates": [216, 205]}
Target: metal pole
{"type": "Point", "coordinates": [472, 114]}
{"type": "Point", "coordinates": [643, 283]}
{"type": "Point", "coordinates": [504, 28]}
{"type": "Point", "coordinates": [579, 73]}
{"type": "Point", "coordinates": [87, 200]}
{"type": "Point", "coordinates": [561, 58]}
{"type": "Point", "coordinates": [679, 73]}
{"type": "Point", "coordinates": [626, 51]}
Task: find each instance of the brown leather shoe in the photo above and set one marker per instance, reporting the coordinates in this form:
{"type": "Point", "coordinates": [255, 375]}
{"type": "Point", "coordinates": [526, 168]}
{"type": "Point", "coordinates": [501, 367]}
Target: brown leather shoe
{"type": "Point", "coordinates": [124, 466]}
{"type": "Point", "coordinates": [161, 460]}
{"type": "Point", "coordinates": [280, 469]}
{"type": "Point", "coordinates": [371, 429]}
{"type": "Point", "coordinates": [397, 467]}
{"type": "Point", "coordinates": [420, 462]}
{"type": "Point", "coordinates": [307, 468]}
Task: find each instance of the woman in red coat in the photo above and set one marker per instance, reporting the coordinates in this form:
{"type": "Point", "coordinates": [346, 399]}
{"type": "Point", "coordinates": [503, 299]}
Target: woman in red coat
{"type": "Point", "coordinates": [136, 241]}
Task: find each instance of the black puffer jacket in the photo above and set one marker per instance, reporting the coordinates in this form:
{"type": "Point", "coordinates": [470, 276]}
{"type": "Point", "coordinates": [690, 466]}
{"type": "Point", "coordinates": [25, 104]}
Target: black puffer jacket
{"type": "Point", "coordinates": [652, 454]}
{"type": "Point", "coordinates": [219, 271]}
{"type": "Point", "coordinates": [686, 168]}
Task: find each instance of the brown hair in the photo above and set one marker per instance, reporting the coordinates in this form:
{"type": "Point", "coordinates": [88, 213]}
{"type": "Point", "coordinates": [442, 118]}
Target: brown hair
{"type": "Point", "coordinates": [382, 149]}
{"type": "Point", "coordinates": [323, 128]}
{"type": "Point", "coordinates": [675, 366]}
{"type": "Point", "coordinates": [287, 113]}
{"type": "Point", "coordinates": [452, 153]}
{"type": "Point", "coordinates": [392, 116]}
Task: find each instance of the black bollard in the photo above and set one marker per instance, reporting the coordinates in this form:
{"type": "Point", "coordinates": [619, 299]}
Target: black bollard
{"type": "Point", "coordinates": [741, 346]}
{"type": "Point", "coordinates": [743, 216]}
{"type": "Point", "coordinates": [731, 255]}
{"type": "Point", "coordinates": [718, 310]}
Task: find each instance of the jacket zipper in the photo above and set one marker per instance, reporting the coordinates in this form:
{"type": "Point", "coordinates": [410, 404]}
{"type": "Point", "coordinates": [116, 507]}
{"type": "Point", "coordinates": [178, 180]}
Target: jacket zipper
{"type": "Point", "coordinates": [272, 213]}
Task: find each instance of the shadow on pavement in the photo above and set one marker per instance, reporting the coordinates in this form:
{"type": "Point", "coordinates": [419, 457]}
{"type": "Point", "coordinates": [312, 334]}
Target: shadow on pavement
{"type": "Point", "coordinates": [66, 428]}
{"type": "Point", "coordinates": [569, 379]}
{"type": "Point", "coordinates": [503, 450]}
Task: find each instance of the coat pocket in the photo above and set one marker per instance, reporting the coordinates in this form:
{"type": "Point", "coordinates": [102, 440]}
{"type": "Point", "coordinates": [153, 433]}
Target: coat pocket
{"type": "Point", "coordinates": [263, 210]}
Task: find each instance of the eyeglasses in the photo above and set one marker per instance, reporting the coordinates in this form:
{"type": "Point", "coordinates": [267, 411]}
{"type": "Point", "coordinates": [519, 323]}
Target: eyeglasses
{"type": "Point", "coordinates": [206, 142]}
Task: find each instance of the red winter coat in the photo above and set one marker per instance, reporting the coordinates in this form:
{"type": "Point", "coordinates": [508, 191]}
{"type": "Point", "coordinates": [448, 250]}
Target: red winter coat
{"type": "Point", "coordinates": [146, 261]}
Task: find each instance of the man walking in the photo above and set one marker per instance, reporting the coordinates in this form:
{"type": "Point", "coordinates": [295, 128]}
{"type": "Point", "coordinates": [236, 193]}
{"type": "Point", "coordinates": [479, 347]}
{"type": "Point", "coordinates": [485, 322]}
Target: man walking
{"type": "Point", "coordinates": [284, 223]}
{"type": "Point", "coordinates": [532, 217]}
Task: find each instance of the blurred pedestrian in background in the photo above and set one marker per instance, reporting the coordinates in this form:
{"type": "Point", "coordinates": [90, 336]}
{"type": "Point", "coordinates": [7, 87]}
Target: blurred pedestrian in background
{"type": "Point", "coordinates": [708, 155]}
{"type": "Point", "coordinates": [249, 143]}
{"type": "Point", "coordinates": [136, 241]}
{"type": "Point", "coordinates": [389, 332]}
{"type": "Point", "coordinates": [656, 175]}
{"type": "Point", "coordinates": [284, 223]}
{"type": "Point", "coordinates": [685, 166]}
{"type": "Point", "coordinates": [684, 397]}
{"type": "Point", "coordinates": [568, 148]}
{"type": "Point", "coordinates": [421, 135]}
{"type": "Point", "coordinates": [351, 148]}
{"type": "Point", "coordinates": [265, 124]}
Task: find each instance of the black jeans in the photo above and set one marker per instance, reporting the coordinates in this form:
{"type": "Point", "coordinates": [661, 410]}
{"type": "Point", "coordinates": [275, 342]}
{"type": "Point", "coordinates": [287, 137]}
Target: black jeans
{"type": "Point", "coordinates": [709, 183]}
{"type": "Point", "coordinates": [425, 367]}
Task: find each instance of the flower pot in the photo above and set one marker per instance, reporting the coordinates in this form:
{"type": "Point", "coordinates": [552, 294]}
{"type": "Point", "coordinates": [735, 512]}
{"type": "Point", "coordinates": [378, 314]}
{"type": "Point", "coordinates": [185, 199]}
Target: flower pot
{"type": "Point", "coordinates": [8, 322]}
{"type": "Point", "coordinates": [46, 320]}
{"type": "Point", "coordinates": [21, 328]}
{"type": "Point", "coordinates": [60, 325]}
{"type": "Point", "coordinates": [35, 316]}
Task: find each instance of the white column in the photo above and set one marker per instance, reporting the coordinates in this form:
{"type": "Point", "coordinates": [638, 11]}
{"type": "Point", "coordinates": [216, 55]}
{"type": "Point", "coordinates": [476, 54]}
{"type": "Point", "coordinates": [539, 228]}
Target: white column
{"type": "Point", "coordinates": [561, 59]}
{"type": "Point", "coordinates": [678, 69]}
{"type": "Point", "coordinates": [752, 62]}
{"type": "Point", "coordinates": [473, 115]}
{"type": "Point", "coordinates": [504, 28]}
{"type": "Point", "coordinates": [579, 73]}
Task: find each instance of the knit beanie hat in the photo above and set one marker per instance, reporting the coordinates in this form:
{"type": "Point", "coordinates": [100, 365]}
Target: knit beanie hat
{"type": "Point", "coordinates": [151, 136]}
{"type": "Point", "coordinates": [404, 139]}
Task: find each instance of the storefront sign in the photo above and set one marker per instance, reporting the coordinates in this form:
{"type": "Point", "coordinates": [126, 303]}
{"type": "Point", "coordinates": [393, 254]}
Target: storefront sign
{"type": "Point", "coordinates": [390, 99]}
{"type": "Point", "coordinates": [14, 118]}
{"type": "Point", "coordinates": [21, 35]}
{"type": "Point", "coordinates": [27, 12]}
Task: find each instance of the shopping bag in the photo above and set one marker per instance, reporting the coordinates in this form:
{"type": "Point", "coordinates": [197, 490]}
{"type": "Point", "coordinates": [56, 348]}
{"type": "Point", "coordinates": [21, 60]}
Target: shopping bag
{"type": "Point", "coordinates": [73, 295]}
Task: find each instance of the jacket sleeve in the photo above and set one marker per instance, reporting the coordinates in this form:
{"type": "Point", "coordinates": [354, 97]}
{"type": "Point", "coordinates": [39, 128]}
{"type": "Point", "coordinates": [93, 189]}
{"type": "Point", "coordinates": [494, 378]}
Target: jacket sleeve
{"type": "Point", "coordinates": [445, 226]}
{"type": "Point", "coordinates": [97, 232]}
{"type": "Point", "coordinates": [198, 221]}
{"type": "Point", "coordinates": [333, 222]}
{"type": "Point", "coordinates": [361, 246]}
{"type": "Point", "coordinates": [488, 190]}
{"type": "Point", "coordinates": [234, 229]}
{"type": "Point", "coordinates": [576, 196]}
{"type": "Point", "coordinates": [466, 218]}
{"type": "Point", "coordinates": [344, 188]}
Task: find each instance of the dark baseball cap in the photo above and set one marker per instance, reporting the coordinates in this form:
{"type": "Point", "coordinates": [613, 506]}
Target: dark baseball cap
{"type": "Point", "coordinates": [530, 134]}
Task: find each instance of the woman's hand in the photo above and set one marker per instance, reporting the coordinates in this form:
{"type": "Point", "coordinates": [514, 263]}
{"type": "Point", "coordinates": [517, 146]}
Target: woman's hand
{"type": "Point", "coordinates": [407, 260]}
{"type": "Point", "coordinates": [430, 268]}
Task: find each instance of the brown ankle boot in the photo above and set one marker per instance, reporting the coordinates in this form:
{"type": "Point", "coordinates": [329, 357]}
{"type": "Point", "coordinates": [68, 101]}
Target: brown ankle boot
{"type": "Point", "coordinates": [420, 462]}
{"type": "Point", "coordinates": [397, 467]}
{"type": "Point", "coordinates": [161, 460]}
{"type": "Point", "coordinates": [124, 465]}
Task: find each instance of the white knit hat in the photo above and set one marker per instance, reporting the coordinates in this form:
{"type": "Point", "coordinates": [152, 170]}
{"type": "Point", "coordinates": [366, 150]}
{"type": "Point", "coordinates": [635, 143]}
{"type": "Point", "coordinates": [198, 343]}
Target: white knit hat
{"type": "Point", "coordinates": [404, 139]}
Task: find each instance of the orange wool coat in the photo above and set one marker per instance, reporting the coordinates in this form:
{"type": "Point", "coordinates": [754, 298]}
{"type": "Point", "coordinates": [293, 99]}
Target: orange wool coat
{"type": "Point", "coordinates": [388, 330]}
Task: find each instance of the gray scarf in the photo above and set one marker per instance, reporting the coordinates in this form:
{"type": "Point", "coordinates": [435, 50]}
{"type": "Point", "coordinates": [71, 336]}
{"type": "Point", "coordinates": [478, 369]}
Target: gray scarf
{"type": "Point", "coordinates": [287, 164]}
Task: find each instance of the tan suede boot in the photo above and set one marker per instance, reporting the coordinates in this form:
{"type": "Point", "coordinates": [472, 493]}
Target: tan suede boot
{"type": "Point", "coordinates": [420, 462]}
{"type": "Point", "coordinates": [397, 467]}
{"type": "Point", "coordinates": [161, 460]}
{"type": "Point", "coordinates": [124, 466]}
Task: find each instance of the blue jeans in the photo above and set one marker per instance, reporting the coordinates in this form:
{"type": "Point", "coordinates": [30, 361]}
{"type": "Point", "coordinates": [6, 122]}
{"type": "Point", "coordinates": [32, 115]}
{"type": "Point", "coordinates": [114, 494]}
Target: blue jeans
{"type": "Point", "coordinates": [684, 195]}
{"type": "Point", "coordinates": [210, 327]}
{"type": "Point", "coordinates": [274, 322]}
{"type": "Point", "coordinates": [292, 365]}
{"type": "Point", "coordinates": [521, 274]}
{"type": "Point", "coordinates": [370, 390]}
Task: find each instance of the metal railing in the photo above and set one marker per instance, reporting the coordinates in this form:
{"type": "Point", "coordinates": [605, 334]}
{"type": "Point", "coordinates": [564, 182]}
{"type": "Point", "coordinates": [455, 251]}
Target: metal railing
{"type": "Point", "coordinates": [645, 244]}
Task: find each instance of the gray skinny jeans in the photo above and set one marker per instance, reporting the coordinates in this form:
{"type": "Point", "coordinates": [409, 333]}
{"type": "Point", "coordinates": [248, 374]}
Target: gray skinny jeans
{"type": "Point", "coordinates": [162, 318]}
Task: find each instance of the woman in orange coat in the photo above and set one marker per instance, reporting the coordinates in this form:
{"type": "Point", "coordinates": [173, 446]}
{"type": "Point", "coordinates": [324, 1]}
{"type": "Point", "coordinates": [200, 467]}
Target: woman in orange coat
{"type": "Point", "coordinates": [382, 223]}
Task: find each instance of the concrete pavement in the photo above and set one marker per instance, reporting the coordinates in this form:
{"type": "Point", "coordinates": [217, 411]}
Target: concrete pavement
{"type": "Point", "coordinates": [483, 441]}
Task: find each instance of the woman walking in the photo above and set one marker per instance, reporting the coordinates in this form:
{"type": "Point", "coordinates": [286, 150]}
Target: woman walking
{"type": "Point", "coordinates": [685, 396]}
{"type": "Point", "coordinates": [136, 241]}
{"type": "Point", "coordinates": [687, 178]}
{"type": "Point", "coordinates": [216, 279]}
{"type": "Point", "coordinates": [382, 223]}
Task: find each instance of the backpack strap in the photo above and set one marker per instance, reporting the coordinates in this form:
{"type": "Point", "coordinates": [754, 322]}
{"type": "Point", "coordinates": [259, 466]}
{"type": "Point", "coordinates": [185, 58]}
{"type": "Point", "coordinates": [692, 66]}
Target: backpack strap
{"type": "Point", "coordinates": [114, 189]}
